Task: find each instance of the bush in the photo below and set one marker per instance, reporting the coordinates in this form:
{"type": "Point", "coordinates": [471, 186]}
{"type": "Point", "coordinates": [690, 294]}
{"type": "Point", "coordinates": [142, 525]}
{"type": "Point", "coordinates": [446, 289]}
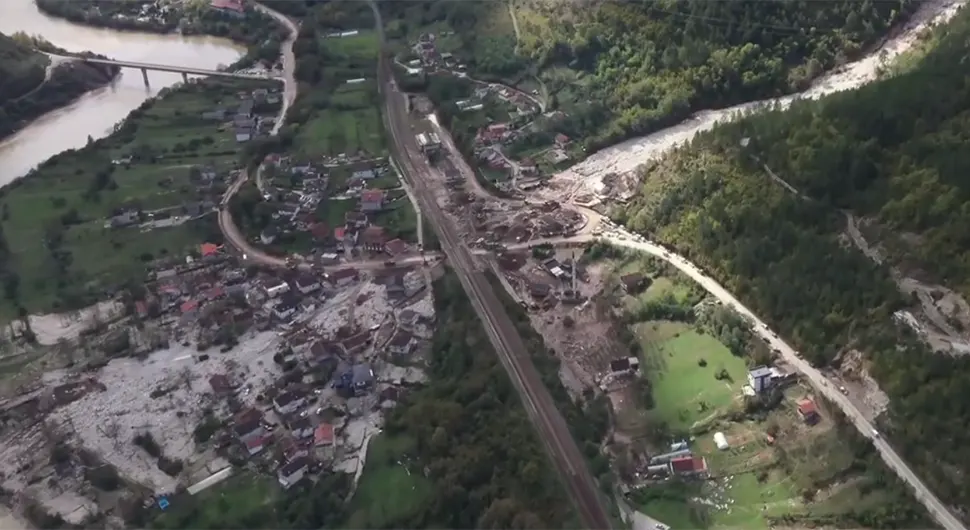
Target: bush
{"type": "Point", "coordinates": [103, 477]}
{"type": "Point", "coordinates": [702, 363]}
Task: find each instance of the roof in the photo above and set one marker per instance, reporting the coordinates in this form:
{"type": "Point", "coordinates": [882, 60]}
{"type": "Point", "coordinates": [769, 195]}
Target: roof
{"type": "Point", "coordinates": [343, 273]}
{"type": "Point", "coordinates": [188, 306]}
{"type": "Point", "coordinates": [322, 348]}
{"type": "Point", "coordinates": [234, 5]}
{"type": "Point", "coordinates": [631, 279]}
{"type": "Point", "coordinates": [286, 398]}
{"type": "Point", "coordinates": [247, 415]}
{"type": "Point", "coordinates": [362, 373]}
{"type": "Point", "coordinates": [373, 235]}
{"type": "Point", "coordinates": [562, 138]}
{"type": "Point", "coordinates": [686, 464]}
{"type": "Point", "coordinates": [305, 280]}
{"type": "Point", "coordinates": [242, 429]}
{"type": "Point", "coordinates": [372, 195]}
{"type": "Point", "coordinates": [401, 339]}
{"type": "Point", "coordinates": [320, 230]}
{"type": "Point", "coordinates": [619, 365]}
{"type": "Point", "coordinates": [323, 434]}
{"type": "Point", "coordinates": [299, 424]}
{"type": "Point", "coordinates": [396, 246]}
{"type": "Point", "coordinates": [220, 383]}
{"type": "Point", "coordinates": [293, 467]}
{"type": "Point", "coordinates": [807, 407]}
{"type": "Point", "coordinates": [258, 441]}
{"type": "Point", "coordinates": [760, 371]}
{"type": "Point", "coordinates": [208, 249]}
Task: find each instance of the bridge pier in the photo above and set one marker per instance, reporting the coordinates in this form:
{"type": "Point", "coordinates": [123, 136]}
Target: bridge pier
{"type": "Point", "coordinates": [185, 77]}
{"type": "Point", "coordinates": [144, 76]}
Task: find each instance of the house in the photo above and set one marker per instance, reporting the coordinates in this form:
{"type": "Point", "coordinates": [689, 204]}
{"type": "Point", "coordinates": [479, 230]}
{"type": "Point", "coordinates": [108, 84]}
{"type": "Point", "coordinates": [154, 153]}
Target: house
{"type": "Point", "coordinates": [220, 384]}
{"type": "Point", "coordinates": [291, 450]}
{"type": "Point", "coordinates": [288, 402]}
{"type": "Point", "coordinates": [292, 472]}
{"type": "Point", "coordinates": [395, 247]}
{"type": "Point", "coordinates": [343, 277]}
{"type": "Point", "coordinates": [562, 141]}
{"type": "Point", "coordinates": [371, 200]}
{"type": "Point", "coordinates": [301, 428]}
{"type": "Point", "coordinates": [364, 174]}
{"type": "Point", "coordinates": [695, 466]}
{"type": "Point", "coordinates": [402, 343]}
{"type": "Point", "coordinates": [373, 238]}
{"type": "Point", "coordinates": [255, 445]}
{"type": "Point", "coordinates": [248, 430]}
{"type": "Point", "coordinates": [324, 350]}
{"type": "Point", "coordinates": [429, 143]}
{"type": "Point", "coordinates": [539, 290]}
{"type": "Point", "coordinates": [760, 379]}
{"type": "Point", "coordinates": [323, 435]}
{"type": "Point", "coordinates": [632, 283]}
{"type": "Point", "coordinates": [208, 249]}
{"type": "Point", "coordinates": [356, 219]}
{"type": "Point", "coordinates": [125, 218]}
{"type": "Point", "coordinates": [808, 411]}
{"type": "Point", "coordinates": [268, 235]}
{"type": "Point", "coordinates": [286, 307]}
{"type": "Point", "coordinates": [625, 365]}
{"type": "Point", "coordinates": [306, 284]}
{"type": "Point", "coordinates": [527, 166]}
{"type": "Point", "coordinates": [189, 309]}
{"type": "Point", "coordinates": [233, 8]}
{"type": "Point", "coordinates": [243, 133]}
{"type": "Point", "coordinates": [355, 343]}
{"type": "Point", "coordinates": [357, 379]}
{"type": "Point", "coordinates": [277, 289]}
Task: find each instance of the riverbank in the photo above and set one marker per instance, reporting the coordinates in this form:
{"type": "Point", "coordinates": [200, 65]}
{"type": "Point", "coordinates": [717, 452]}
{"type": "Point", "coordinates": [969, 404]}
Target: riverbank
{"type": "Point", "coordinates": [250, 26]}
{"type": "Point", "coordinates": [89, 222]}
{"type": "Point", "coordinates": [62, 85]}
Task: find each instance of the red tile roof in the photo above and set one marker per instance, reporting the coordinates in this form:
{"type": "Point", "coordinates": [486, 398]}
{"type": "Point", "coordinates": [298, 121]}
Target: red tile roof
{"type": "Point", "coordinates": [323, 435]}
{"type": "Point", "coordinates": [191, 305]}
{"type": "Point", "coordinates": [688, 464]}
{"type": "Point", "coordinates": [395, 247]}
{"type": "Point", "coordinates": [806, 407]}
{"type": "Point", "coordinates": [338, 233]}
{"type": "Point", "coordinates": [234, 5]}
{"type": "Point", "coordinates": [258, 441]}
{"type": "Point", "coordinates": [209, 249]}
{"type": "Point", "coordinates": [372, 195]}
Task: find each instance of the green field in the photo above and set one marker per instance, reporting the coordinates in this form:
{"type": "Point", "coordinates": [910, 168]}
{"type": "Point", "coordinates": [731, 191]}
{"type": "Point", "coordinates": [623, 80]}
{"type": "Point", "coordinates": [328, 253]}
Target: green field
{"type": "Point", "coordinates": [399, 220]}
{"type": "Point", "coordinates": [68, 199]}
{"type": "Point", "coordinates": [332, 132]}
{"type": "Point", "coordinates": [686, 393]}
{"type": "Point", "coordinates": [388, 490]}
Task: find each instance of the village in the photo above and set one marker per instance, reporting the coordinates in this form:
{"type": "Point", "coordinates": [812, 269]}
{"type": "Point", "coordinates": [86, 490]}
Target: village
{"type": "Point", "coordinates": [216, 366]}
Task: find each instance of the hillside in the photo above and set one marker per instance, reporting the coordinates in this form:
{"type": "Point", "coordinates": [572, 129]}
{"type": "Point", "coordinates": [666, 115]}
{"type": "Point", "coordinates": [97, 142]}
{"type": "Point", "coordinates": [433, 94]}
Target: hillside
{"type": "Point", "coordinates": [21, 69]}
{"type": "Point", "coordinates": [622, 69]}
{"type": "Point", "coordinates": [892, 151]}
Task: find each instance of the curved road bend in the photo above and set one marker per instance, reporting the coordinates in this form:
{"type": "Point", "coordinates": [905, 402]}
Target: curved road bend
{"type": "Point", "coordinates": [621, 238]}
{"type": "Point", "coordinates": [226, 223]}
{"type": "Point", "coordinates": [511, 350]}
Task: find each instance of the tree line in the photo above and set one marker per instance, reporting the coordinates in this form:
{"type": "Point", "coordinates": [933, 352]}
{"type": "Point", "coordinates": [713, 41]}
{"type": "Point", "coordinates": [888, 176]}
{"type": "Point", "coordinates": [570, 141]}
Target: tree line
{"type": "Point", "coordinates": [891, 150]}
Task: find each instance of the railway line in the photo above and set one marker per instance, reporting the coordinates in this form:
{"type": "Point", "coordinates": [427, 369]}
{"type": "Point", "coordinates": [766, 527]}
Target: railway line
{"type": "Point", "coordinates": [512, 351]}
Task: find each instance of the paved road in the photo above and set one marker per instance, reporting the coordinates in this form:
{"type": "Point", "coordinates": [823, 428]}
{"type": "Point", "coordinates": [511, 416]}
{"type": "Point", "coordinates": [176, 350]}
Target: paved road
{"type": "Point", "coordinates": [511, 350]}
{"type": "Point", "coordinates": [934, 506]}
{"type": "Point", "coordinates": [227, 225]}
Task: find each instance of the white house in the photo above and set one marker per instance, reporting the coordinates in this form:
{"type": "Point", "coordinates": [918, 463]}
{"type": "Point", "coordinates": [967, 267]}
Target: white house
{"type": "Point", "coordinates": [284, 309]}
{"type": "Point", "coordinates": [288, 402]}
{"type": "Point", "coordinates": [292, 472]}
{"type": "Point", "coordinates": [721, 441]}
{"type": "Point", "coordinates": [275, 290]}
{"type": "Point", "coordinates": [760, 379]}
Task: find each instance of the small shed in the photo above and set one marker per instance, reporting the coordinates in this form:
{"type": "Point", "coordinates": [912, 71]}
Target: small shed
{"type": "Point", "coordinates": [721, 441]}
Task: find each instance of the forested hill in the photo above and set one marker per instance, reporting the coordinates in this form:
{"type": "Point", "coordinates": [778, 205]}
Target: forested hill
{"type": "Point", "coordinates": [644, 64]}
{"type": "Point", "coordinates": [895, 150]}
{"type": "Point", "coordinates": [21, 69]}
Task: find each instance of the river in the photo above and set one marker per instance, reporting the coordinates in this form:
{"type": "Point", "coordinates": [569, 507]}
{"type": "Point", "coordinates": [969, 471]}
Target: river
{"type": "Point", "coordinates": [96, 113]}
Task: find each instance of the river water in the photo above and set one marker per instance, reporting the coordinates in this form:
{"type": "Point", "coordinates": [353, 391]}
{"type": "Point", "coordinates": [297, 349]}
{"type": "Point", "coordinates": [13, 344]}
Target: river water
{"type": "Point", "coordinates": [95, 113]}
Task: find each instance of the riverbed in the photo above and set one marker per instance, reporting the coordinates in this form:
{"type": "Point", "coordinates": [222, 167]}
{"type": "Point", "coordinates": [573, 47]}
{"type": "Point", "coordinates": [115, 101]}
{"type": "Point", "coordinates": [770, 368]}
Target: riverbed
{"type": "Point", "coordinates": [96, 113]}
{"type": "Point", "coordinates": [627, 156]}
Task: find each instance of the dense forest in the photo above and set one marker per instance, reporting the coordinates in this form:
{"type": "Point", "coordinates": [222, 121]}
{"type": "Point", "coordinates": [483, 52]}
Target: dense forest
{"type": "Point", "coordinates": [21, 69]}
{"type": "Point", "coordinates": [622, 69]}
{"type": "Point", "coordinates": [892, 150]}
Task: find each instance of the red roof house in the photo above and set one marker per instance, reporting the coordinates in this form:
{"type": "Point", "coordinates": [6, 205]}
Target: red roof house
{"type": "Point", "coordinates": [688, 465]}
{"type": "Point", "coordinates": [562, 140]}
{"type": "Point", "coordinates": [808, 411]}
{"type": "Point", "coordinates": [189, 306]}
{"type": "Point", "coordinates": [395, 247]}
{"type": "Point", "coordinates": [209, 249]}
{"type": "Point", "coordinates": [323, 435]}
{"type": "Point", "coordinates": [339, 232]}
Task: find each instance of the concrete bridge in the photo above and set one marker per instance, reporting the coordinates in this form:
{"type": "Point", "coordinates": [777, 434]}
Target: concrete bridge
{"type": "Point", "coordinates": [145, 67]}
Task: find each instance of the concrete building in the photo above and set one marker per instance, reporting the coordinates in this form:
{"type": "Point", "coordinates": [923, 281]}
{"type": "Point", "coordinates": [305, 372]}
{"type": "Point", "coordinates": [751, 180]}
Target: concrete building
{"type": "Point", "coordinates": [429, 143]}
{"type": "Point", "coordinates": [760, 379]}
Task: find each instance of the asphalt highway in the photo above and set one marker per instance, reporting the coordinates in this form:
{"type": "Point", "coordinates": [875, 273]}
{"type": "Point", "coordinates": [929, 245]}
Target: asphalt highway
{"type": "Point", "coordinates": [501, 331]}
